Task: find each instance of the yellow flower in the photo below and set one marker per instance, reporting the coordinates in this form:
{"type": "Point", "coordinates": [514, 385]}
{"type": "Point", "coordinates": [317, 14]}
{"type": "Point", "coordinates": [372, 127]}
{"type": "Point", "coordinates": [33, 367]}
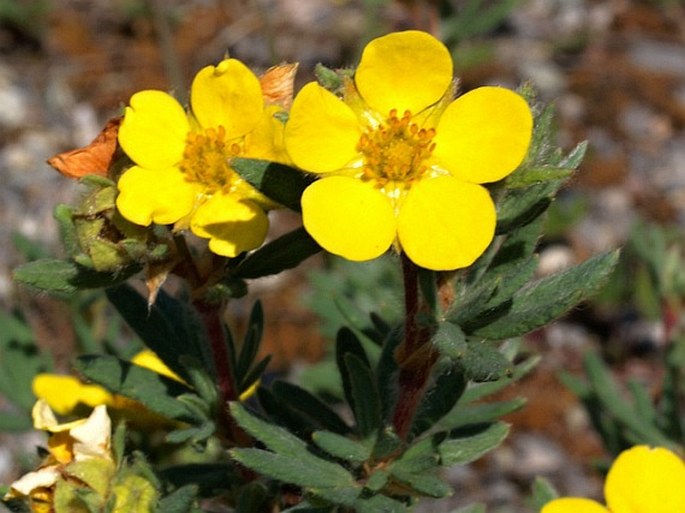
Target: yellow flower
{"type": "Point", "coordinates": [182, 171]}
{"type": "Point", "coordinates": [400, 161]}
{"type": "Point", "coordinates": [641, 480]}
{"type": "Point", "coordinates": [69, 446]}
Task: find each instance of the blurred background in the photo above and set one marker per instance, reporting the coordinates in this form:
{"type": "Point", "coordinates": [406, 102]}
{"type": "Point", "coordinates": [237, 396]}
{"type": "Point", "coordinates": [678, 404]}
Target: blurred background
{"type": "Point", "coordinates": [614, 69]}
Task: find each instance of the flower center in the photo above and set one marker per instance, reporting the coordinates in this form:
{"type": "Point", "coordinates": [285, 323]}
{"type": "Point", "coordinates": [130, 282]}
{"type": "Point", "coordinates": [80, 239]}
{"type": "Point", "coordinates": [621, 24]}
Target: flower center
{"type": "Point", "coordinates": [206, 159]}
{"type": "Point", "coordinates": [396, 151]}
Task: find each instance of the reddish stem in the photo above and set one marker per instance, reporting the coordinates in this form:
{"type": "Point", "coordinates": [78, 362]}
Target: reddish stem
{"type": "Point", "coordinates": [414, 356]}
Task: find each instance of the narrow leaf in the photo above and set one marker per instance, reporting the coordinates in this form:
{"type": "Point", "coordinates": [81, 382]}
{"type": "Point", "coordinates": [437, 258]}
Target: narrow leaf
{"type": "Point", "coordinates": [544, 300]}
{"type": "Point", "coordinates": [64, 277]}
{"type": "Point", "coordinates": [467, 445]}
{"type": "Point", "coordinates": [283, 253]}
{"type": "Point", "coordinates": [156, 392]}
{"type": "Point", "coordinates": [366, 401]}
{"type": "Point", "coordinates": [283, 184]}
{"type": "Point", "coordinates": [341, 447]}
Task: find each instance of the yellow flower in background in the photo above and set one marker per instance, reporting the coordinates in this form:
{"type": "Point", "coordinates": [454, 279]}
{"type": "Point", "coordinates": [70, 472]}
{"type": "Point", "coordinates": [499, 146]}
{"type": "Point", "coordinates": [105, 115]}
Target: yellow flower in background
{"type": "Point", "coordinates": [64, 393]}
{"type": "Point", "coordinates": [69, 446]}
{"type": "Point", "coordinates": [400, 161]}
{"type": "Point", "coordinates": [182, 173]}
{"type": "Point", "coordinates": [641, 480]}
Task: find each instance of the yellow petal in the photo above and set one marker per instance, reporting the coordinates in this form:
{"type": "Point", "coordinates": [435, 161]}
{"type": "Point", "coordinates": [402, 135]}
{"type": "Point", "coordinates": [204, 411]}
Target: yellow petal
{"type": "Point", "coordinates": [646, 480]}
{"type": "Point", "coordinates": [573, 505]}
{"type": "Point", "coordinates": [322, 133]}
{"type": "Point", "coordinates": [154, 130]}
{"type": "Point", "coordinates": [162, 196]}
{"type": "Point", "coordinates": [227, 95]}
{"type": "Point", "coordinates": [446, 224]}
{"type": "Point", "coordinates": [64, 393]}
{"type": "Point", "coordinates": [484, 135]}
{"type": "Point", "coordinates": [348, 217]}
{"type": "Point", "coordinates": [232, 226]}
{"type": "Point", "coordinates": [149, 360]}
{"type": "Point", "coordinates": [405, 71]}
{"type": "Point", "coordinates": [266, 141]}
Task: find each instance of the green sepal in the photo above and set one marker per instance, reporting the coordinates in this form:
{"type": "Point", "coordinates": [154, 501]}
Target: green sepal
{"type": "Point", "coordinates": [63, 278]}
{"type": "Point", "coordinates": [278, 182]}
{"type": "Point", "coordinates": [279, 255]}
{"type": "Point", "coordinates": [157, 393]}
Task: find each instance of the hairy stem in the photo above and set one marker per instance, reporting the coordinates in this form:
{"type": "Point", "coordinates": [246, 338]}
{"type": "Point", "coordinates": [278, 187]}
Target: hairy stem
{"type": "Point", "coordinates": [414, 357]}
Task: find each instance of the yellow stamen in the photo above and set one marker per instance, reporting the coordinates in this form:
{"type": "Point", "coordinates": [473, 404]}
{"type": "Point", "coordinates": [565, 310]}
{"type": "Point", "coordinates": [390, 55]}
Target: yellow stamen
{"type": "Point", "coordinates": [396, 151]}
{"type": "Point", "coordinates": [206, 160]}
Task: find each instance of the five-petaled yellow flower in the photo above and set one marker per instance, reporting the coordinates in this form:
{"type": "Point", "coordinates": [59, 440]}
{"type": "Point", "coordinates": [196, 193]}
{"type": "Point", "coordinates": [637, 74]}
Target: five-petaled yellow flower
{"type": "Point", "coordinates": [641, 480]}
{"type": "Point", "coordinates": [182, 173]}
{"type": "Point", "coordinates": [400, 161]}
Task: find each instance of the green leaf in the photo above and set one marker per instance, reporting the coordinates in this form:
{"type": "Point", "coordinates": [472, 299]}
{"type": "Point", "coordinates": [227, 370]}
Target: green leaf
{"type": "Point", "coordinates": [483, 362]}
{"type": "Point", "coordinates": [366, 401]}
{"type": "Point", "coordinates": [283, 184]}
{"type": "Point", "coordinates": [480, 413]}
{"type": "Point", "coordinates": [64, 277]}
{"type": "Point", "coordinates": [157, 393]}
{"type": "Point", "coordinates": [439, 400]}
{"type": "Point", "coordinates": [639, 430]}
{"type": "Point", "coordinates": [251, 342]}
{"type": "Point", "coordinates": [536, 175]}
{"type": "Point", "coordinates": [379, 504]}
{"type": "Point", "coordinates": [320, 477]}
{"type": "Point", "coordinates": [470, 443]}
{"type": "Point", "coordinates": [544, 300]}
{"type": "Point", "coordinates": [341, 447]}
{"type": "Point", "coordinates": [14, 423]}
{"type": "Point", "coordinates": [204, 478]}
{"type": "Point", "coordinates": [274, 437]}
{"type": "Point", "coordinates": [519, 207]}
{"type": "Point", "coordinates": [252, 498]}
{"type": "Point", "coordinates": [543, 492]}
{"type": "Point", "coordinates": [346, 342]}
{"type": "Point", "coordinates": [318, 412]}
{"type": "Point", "coordinates": [425, 483]}
{"type": "Point", "coordinates": [281, 254]}
{"type": "Point", "coordinates": [169, 327]}
{"type": "Point", "coordinates": [450, 340]}
{"type": "Point", "coordinates": [179, 501]}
